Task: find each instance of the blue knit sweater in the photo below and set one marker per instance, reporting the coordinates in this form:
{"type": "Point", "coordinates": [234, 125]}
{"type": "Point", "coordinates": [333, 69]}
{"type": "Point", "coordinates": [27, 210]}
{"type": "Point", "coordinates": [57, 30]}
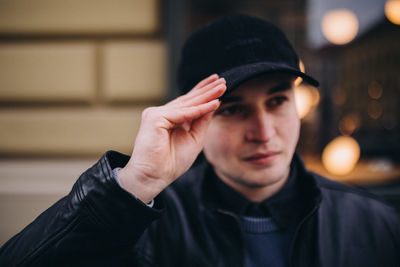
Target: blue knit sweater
{"type": "Point", "coordinates": [267, 244]}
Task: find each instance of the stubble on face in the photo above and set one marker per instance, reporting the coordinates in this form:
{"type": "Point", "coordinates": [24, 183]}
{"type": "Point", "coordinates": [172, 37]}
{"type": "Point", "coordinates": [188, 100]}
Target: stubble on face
{"type": "Point", "coordinates": [251, 140]}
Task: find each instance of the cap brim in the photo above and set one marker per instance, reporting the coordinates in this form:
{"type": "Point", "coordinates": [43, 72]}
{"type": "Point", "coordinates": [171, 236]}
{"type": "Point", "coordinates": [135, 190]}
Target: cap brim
{"type": "Point", "coordinates": [234, 77]}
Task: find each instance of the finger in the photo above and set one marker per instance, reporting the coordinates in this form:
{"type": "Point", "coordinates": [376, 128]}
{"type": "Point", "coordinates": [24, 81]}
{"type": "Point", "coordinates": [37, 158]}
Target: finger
{"type": "Point", "coordinates": [182, 99]}
{"type": "Point", "coordinates": [205, 81]}
{"type": "Point", "coordinates": [178, 117]}
{"type": "Point", "coordinates": [208, 87]}
{"type": "Point", "coordinates": [207, 96]}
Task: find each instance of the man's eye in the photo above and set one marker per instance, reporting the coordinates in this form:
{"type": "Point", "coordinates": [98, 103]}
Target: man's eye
{"type": "Point", "coordinates": [276, 101]}
{"type": "Point", "coordinates": [231, 110]}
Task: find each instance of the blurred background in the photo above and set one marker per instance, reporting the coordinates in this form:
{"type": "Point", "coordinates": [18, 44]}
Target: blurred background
{"type": "Point", "coordinates": [75, 76]}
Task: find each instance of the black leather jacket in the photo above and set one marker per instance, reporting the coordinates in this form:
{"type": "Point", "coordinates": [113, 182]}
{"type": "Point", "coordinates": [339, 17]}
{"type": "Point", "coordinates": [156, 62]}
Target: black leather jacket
{"type": "Point", "coordinates": [100, 224]}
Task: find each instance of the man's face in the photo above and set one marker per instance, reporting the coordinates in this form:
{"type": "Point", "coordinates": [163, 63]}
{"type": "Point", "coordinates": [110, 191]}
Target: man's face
{"type": "Point", "coordinates": [252, 136]}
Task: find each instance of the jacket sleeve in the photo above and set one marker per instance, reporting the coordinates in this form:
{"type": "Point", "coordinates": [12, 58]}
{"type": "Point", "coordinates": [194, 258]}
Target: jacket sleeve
{"type": "Point", "coordinates": [96, 224]}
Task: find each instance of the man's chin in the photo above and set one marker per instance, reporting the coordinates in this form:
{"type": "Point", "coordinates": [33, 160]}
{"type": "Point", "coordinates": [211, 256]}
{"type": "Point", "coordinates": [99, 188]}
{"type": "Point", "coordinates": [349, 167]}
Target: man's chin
{"type": "Point", "coordinates": [266, 177]}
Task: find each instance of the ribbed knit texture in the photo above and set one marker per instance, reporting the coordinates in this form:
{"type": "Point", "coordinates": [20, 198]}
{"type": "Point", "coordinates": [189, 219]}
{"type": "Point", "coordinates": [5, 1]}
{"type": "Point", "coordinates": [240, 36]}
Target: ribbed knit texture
{"type": "Point", "coordinates": [266, 243]}
{"type": "Point", "coordinates": [256, 225]}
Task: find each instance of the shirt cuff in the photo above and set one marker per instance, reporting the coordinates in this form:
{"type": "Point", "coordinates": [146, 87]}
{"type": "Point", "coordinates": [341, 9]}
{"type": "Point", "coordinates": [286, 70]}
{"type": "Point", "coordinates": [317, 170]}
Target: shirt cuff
{"type": "Point", "coordinates": [116, 177]}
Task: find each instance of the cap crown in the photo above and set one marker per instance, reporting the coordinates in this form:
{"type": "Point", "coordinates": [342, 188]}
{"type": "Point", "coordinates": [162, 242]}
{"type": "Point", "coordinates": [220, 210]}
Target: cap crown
{"type": "Point", "coordinates": [231, 42]}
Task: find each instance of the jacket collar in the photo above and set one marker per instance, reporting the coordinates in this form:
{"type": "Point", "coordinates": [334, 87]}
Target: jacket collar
{"type": "Point", "coordinates": [287, 207]}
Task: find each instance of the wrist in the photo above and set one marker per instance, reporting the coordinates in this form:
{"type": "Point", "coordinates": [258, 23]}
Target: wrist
{"type": "Point", "coordinates": [143, 188]}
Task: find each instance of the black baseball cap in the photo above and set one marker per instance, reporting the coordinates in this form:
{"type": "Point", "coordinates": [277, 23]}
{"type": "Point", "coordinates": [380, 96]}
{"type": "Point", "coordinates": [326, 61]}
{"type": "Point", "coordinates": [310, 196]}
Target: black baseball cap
{"type": "Point", "coordinates": [238, 48]}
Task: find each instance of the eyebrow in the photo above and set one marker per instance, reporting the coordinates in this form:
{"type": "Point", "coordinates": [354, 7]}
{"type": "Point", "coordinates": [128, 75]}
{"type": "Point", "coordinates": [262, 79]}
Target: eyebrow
{"type": "Point", "coordinates": [280, 87]}
{"type": "Point", "coordinates": [284, 86]}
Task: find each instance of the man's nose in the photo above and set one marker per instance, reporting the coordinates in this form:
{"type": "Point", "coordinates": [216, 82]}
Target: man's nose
{"type": "Point", "coordinates": [260, 127]}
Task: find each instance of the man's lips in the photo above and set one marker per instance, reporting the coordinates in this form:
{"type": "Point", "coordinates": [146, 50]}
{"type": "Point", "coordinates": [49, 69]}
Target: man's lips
{"type": "Point", "coordinates": [261, 158]}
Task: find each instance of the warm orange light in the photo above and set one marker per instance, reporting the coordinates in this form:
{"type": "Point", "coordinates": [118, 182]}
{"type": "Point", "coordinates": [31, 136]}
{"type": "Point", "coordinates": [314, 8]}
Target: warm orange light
{"type": "Point", "coordinates": [315, 95]}
{"type": "Point", "coordinates": [340, 26]}
{"type": "Point", "coordinates": [375, 109]}
{"type": "Point", "coordinates": [303, 100]}
{"type": "Point", "coordinates": [392, 11]}
{"type": "Point", "coordinates": [349, 124]}
{"type": "Point", "coordinates": [303, 69]}
{"type": "Point", "coordinates": [306, 97]}
{"type": "Point", "coordinates": [341, 155]}
{"type": "Point", "coordinates": [375, 90]}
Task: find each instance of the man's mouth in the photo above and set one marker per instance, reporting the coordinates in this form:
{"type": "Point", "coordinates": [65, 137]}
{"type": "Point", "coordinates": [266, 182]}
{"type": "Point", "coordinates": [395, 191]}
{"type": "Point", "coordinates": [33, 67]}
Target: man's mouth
{"type": "Point", "coordinates": [261, 158]}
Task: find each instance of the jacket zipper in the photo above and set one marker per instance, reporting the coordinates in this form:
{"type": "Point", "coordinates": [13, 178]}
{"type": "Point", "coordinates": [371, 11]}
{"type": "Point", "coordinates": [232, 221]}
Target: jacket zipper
{"type": "Point", "coordinates": [240, 229]}
{"type": "Point", "coordinates": [294, 237]}
{"type": "Point", "coordinates": [291, 264]}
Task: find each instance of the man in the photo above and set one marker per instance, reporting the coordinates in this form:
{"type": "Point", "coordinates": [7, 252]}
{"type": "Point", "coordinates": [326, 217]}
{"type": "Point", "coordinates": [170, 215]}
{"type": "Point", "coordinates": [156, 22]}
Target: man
{"type": "Point", "coordinates": [247, 201]}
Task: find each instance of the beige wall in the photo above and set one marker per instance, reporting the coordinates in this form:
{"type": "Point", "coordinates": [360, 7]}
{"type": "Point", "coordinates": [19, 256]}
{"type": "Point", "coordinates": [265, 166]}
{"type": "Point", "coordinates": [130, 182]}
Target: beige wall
{"type": "Point", "coordinates": [74, 78]}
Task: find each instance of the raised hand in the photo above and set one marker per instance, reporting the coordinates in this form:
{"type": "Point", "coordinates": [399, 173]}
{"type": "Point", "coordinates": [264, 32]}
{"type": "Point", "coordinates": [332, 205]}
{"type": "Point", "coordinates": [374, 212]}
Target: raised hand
{"type": "Point", "coordinates": [170, 138]}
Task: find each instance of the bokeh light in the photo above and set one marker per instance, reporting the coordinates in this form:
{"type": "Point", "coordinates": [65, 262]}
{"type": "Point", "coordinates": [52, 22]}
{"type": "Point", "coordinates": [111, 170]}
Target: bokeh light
{"type": "Point", "coordinates": [375, 109]}
{"type": "Point", "coordinates": [340, 26]}
{"type": "Point", "coordinates": [392, 11]}
{"type": "Point", "coordinates": [349, 124]}
{"type": "Point", "coordinates": [341, 155]}
{"type": "Point", "coordinates": [303, 69]}
{"type": "Point", "coordinates": [306, 97]}
{"type": "Point", "coordinates": [315, 95]}
{"type": "Point", "coordinates": [375, 90]}
{"type": "Point", "coordinates": [303, 99]}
